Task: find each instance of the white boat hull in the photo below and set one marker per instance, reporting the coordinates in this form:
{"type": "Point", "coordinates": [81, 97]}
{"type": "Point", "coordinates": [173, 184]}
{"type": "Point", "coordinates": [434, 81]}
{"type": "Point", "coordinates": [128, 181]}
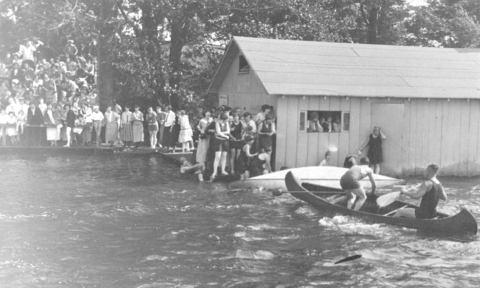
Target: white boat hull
{"type": "Point", "coordinates": [329, 177]}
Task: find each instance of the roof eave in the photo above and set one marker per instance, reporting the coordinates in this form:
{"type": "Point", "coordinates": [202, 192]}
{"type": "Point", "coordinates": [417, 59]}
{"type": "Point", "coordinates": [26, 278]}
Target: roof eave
{"type": "Point", "coordinates": [216, 80]}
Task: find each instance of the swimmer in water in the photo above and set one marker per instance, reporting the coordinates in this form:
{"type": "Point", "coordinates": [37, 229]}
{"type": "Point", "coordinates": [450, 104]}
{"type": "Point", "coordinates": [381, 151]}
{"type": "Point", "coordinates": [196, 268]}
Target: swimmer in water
{"type": "Point", "coordinates": [187, 167]}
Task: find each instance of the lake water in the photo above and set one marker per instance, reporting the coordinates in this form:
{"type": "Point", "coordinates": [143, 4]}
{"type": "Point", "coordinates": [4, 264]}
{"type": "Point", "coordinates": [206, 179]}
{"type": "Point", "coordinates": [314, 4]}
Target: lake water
{"type": "Point", "coordinates": [134, 221]}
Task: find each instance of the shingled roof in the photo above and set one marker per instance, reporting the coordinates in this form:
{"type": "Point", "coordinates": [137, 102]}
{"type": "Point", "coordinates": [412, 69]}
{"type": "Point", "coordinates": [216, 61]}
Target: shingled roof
{"type": "Point", "coordinates": [307, 68]}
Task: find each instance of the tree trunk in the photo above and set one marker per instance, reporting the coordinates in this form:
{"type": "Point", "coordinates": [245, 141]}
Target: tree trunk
{"type": "Point", "coordinates": [372, 26]}
{"type": "Point", "coordinates": [175, 58]}
{"type": "Point", "coordinates": [104, 62]}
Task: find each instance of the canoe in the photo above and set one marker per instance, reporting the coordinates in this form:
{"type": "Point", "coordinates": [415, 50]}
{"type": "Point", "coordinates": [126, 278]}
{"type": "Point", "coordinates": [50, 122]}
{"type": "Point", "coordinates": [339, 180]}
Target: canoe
{"type": "Point", "coordinates": [326, 177]}
{"type": "Point", "coordinates": [461, 223]}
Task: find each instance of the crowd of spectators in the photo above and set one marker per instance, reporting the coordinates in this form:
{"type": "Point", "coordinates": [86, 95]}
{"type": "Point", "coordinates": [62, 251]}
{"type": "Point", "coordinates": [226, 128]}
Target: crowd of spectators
{"type": "Point", "coordinates": [35, 91]}
{"type": "Point", "coordinates": [54, 101]}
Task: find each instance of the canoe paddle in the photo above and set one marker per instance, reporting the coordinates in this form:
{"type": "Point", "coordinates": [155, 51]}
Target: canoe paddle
{"type": "Point", "coordinates": [388, 199]}
{"type": "Point", "coordinates": [278, 192]}
{"type": "Point", "coordinates": [349, 258]}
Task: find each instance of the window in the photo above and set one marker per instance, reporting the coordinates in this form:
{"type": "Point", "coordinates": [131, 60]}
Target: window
{"type": "Point", "coordinates": [243, 67]}
{"type": "Point", "coordinates": [325, 121]}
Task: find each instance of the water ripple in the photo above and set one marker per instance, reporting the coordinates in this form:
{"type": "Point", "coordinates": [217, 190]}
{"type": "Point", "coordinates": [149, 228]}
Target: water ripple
{"type": "Point", "coordinates": [114, 221]}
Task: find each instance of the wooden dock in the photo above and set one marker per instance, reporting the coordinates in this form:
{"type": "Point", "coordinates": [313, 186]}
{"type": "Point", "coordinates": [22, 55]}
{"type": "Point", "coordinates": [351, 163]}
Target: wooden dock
{"type": "Point", "coordinates": [79, 150]}
{"type": "Point", "coordinates": [93, 150]}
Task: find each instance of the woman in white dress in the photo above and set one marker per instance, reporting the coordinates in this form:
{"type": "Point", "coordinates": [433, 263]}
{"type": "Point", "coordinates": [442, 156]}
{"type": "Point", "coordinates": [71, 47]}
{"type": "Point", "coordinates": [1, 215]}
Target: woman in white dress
{"type": "Point", "coordinates": [21, 120]}
{"type": "Point", "coordinates": [12, 131]}
{"type": "Point", "coordinates": [57, 116]}
{"type": "Point", "coordinates": [111, 125]}
{"type": "Point", "coordinates": [50, 123]}
{"type": "Point", "coordinates": [186, 133]}
{"type": "Point", "coordinates": [137, 126]}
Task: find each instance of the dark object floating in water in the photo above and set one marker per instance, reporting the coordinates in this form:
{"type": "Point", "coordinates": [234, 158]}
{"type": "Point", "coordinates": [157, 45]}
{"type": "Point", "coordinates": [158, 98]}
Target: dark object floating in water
{"type": "Point", "coordinates": [349, 258]}
{"type": "Point", "coordinates": [459, 224]}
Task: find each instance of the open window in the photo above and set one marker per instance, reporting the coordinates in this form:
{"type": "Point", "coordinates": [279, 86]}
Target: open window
{"type": "Point", "coordinates": [243, 67]}
{"type": "Point", "coordinates": [325, 121]}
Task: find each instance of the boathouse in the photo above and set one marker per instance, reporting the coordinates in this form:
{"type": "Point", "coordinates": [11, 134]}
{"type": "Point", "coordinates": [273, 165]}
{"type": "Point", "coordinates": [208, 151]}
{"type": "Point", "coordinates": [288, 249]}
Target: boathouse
{"type": "Point", "coordinates": [426, 100]}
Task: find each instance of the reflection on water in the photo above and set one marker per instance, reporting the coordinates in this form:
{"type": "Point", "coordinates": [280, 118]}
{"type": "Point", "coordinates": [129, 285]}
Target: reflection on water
{"type": "Point", "coordinates": [134, 221]}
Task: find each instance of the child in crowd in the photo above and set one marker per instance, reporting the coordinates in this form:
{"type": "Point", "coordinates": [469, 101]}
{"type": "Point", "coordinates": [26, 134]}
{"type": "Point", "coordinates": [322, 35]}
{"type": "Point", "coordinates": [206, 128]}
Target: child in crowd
{"type": "Point", "coordinates": [326, 161]}
{"type": "Point", "coordinates": [187, 167]}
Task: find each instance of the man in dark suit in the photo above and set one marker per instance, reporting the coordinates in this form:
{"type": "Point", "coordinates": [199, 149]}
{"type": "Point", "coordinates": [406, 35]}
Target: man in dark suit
{"type": "Point", "coordinates": [34, 119]}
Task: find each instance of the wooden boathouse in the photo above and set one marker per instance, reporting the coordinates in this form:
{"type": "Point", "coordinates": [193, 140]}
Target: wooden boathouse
{"type": "Point", "coordinates": [426, 100]}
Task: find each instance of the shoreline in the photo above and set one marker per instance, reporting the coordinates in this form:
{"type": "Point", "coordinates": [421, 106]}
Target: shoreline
{"type": "Point", "coordinates": [92, 150]}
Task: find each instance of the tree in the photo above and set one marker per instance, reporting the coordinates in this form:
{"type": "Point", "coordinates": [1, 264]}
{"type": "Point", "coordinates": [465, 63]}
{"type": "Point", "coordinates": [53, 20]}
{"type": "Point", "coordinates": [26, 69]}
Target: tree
{"type": "Point", "coordinates": [372, 21]}
{"type": "Point", "coordinates": [446, 23]}
{"type": "Point", "coordinates": [167, 51]}
{"type": "Point", "coordinates": [107, 29]}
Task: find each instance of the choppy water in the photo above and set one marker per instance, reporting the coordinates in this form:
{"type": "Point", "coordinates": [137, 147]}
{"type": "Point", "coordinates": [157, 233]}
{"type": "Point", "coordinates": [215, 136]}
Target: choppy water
{"type": "Point", "coordinates": [134, 221]}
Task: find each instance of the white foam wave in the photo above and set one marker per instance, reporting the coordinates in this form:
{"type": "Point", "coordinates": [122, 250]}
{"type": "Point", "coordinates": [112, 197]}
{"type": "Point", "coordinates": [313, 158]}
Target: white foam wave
{"type": "Point", "coordinates": [259, 255]}
{"type": "Point", "coordinates": [155, 258]}
{"type": "Point", "coordinates": [351, 225]}
{"type": "Point", "coordinates": [305, 210]}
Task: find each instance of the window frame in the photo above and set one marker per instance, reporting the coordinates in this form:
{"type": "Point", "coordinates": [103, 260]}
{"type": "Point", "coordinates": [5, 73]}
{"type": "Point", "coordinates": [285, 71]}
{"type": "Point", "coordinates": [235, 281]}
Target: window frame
{"type": "Point", "coordinates": [245, 68]}
{"type": "Point", "coordinates": [303, 123]}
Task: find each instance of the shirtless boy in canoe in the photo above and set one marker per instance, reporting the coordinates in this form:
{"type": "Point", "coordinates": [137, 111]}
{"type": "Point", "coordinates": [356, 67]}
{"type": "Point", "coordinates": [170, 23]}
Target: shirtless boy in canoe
{"type": "Point", "coordinates": [350, 183]}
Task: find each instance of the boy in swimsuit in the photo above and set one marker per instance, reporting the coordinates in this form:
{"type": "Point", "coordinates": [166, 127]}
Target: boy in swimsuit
{"type": "Point", "coordinates": [350, 182]}
{"type": "Point", "coordinates": [431, 191]}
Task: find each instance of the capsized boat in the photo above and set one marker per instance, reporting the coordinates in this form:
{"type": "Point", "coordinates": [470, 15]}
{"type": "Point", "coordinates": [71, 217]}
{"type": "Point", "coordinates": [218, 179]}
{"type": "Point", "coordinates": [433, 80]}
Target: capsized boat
{"type": "Point", "coordinates": [462, 223]}
{"type": "Point", "coordinates": [327, 177]}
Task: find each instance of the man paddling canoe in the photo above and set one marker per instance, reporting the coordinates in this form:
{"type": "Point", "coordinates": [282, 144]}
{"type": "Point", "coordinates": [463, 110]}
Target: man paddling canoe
{"type": "Point", "coordinates": [431, 191]}
{"type": "Point", "coordinates": [350, 182]}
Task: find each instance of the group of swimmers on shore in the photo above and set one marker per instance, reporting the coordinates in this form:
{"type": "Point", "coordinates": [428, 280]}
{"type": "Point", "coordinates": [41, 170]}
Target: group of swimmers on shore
{"type": "Point", "coordinates": [232, 143]}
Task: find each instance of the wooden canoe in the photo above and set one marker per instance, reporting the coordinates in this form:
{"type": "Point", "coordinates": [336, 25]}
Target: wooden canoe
{"type": "Point", "coordinates": [326, 177]}
{"type": "Point", "coordinates": [461, 223]}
